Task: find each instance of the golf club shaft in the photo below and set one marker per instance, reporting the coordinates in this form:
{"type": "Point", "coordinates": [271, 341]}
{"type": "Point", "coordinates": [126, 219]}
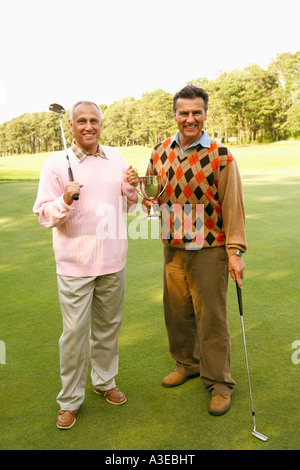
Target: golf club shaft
{"type": "Point", "coordinates": [75, 197]}
{"type": "Point", "coordinates": [62, 132]}
{"type": "Point", "coordinates": [255, 433]}
{"type": "Point", "coordinates": [239, 295]}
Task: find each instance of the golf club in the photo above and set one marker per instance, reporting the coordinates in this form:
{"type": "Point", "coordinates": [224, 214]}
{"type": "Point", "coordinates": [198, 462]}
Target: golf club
{"type": "Point", "coordinates": [57, 108]}
{"type": "Point", "coordinates": [255, 433]}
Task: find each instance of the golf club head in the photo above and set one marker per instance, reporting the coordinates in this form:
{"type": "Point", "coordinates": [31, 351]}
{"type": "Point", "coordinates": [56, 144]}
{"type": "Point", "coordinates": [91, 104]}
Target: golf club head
{"type": "Point", "coordinates": [57, 108]}
{"type": "Point", "coordinates": [260, 436]}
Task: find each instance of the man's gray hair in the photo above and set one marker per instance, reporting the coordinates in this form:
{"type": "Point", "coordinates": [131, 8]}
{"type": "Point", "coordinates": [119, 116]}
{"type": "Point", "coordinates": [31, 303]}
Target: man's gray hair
{"type": "Point", "coordinates": [84, 102]}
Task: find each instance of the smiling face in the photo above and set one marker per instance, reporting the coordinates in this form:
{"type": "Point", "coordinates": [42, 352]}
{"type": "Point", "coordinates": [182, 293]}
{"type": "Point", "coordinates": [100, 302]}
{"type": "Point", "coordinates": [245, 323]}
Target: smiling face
{"type": "Point", "coordinates": [86, 127]}
{"type": "Point", "coordinates": [190, 116]}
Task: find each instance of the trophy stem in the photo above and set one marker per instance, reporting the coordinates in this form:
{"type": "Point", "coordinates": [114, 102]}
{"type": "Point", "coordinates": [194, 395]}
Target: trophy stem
{"type": "Point", "coordinates": [152, 215]}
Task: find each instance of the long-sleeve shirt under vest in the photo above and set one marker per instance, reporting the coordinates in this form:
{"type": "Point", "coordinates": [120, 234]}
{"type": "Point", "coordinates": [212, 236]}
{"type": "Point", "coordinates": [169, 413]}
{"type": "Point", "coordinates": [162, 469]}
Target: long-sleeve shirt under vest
{"type": "Point", "coordinates": [202, 203]}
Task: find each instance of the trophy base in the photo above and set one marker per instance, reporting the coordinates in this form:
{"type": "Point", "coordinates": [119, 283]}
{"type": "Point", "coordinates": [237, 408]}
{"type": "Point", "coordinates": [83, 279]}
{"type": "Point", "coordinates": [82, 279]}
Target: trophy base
{"type": "Point", "coordinates": [151, 217]}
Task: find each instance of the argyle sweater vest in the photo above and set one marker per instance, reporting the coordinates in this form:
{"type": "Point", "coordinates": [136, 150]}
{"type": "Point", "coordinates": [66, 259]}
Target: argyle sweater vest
{"type": "Point", "coordinates": [202, 202]}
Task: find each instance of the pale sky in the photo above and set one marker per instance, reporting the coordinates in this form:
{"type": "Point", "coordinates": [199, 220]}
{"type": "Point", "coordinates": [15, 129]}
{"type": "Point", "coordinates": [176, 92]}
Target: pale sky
{"type": "Point", "coordinates": [66, 50]}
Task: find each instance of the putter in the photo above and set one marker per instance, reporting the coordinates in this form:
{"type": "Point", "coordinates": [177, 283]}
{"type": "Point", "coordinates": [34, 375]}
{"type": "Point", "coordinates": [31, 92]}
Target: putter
{"type": "Point", "coordinates": [255, 433]}
{"type": "Point", "coordinates": [57, 108]}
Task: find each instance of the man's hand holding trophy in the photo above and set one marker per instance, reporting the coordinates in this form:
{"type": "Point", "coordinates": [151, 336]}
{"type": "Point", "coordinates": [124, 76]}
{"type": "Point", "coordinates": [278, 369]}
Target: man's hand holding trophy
{"type": "Point", "coordinates": [151, 189]}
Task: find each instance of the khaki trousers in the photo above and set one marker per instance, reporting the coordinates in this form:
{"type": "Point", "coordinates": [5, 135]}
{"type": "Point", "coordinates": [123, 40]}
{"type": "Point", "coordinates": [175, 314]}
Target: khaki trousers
{"type": "Point", "coordinates": [195, 296]}
{"type": "Point", "coordinates": [92, 310]}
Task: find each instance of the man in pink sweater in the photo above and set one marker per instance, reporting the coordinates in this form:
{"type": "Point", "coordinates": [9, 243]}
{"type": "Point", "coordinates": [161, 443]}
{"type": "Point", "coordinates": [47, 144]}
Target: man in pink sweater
{"type": "Point", "coordinates": [90, 247]}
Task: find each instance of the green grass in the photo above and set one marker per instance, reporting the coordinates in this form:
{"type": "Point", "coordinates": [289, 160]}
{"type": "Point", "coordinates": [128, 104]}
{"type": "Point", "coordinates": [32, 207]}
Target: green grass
{"type": "Point", "coordinates": [154, 417]}
{"type": "Point", "coordinates": [28, 167]}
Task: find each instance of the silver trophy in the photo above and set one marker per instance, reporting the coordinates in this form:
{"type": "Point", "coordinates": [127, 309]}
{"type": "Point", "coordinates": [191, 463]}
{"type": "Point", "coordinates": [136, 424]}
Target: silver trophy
{"type": "Point", "coordinates": [151, 188]}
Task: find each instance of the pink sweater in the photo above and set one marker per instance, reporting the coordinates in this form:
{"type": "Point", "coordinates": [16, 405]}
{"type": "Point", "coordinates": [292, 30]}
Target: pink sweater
{"type": "Point", "coordinates": [89, 237]}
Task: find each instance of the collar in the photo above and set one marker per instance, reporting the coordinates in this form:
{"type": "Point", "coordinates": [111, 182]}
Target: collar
{"type": "Point", "coordinates": [204, 141]}
{"type": "Point", "coordinates": [80, 154]}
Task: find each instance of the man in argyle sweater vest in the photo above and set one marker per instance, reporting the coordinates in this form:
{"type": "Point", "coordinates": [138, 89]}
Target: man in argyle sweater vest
{"type": "Point", "coordinates": [203, 230]}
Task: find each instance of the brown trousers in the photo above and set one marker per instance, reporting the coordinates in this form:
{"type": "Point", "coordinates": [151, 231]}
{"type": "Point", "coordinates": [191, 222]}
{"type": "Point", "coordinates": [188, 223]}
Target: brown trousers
{"type": "Point", "coordinates": [195, 297]}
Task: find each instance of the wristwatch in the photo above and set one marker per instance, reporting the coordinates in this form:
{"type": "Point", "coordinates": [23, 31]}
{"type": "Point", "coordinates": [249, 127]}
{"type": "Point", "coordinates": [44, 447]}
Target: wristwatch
{"type": "Point", "coordinates": [239, 253]}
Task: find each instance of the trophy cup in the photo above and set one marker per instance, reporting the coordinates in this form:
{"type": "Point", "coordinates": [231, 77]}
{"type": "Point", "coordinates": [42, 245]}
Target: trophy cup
{"type": "Point", "coordinates": [150, 188]}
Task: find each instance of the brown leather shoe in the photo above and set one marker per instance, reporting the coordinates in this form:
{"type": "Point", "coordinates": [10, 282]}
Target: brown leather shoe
{"type": "Point", "coordinates": [176, 378]}
{"type": "Point", "coordinates": [113, 396]}
{"type": "Point", "coordinates": [66, 419]}
{"type": "Point", "coordinates": [219, 404]}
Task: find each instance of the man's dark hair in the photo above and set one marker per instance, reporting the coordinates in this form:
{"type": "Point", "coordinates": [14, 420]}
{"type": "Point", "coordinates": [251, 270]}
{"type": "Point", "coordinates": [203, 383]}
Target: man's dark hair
{"type": "Point", "coordinates": [191, 92]}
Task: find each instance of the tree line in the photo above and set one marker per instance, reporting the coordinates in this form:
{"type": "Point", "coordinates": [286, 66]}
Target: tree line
{"type": "Point", "coordinates": [249, 105]}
